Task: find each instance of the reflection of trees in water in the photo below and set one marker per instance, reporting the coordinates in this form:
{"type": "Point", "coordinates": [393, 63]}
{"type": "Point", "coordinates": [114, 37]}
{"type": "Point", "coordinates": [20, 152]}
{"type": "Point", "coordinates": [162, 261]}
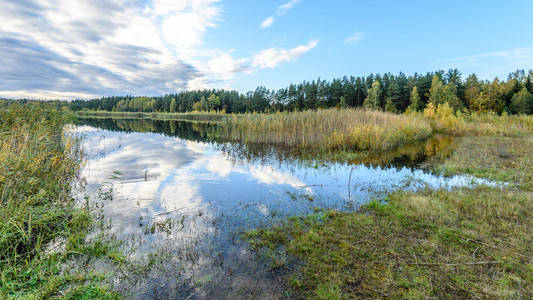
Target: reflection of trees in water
{"type": "Point", "coordinates": [410, 155]}
{"type": "Point", "coordinates": [194, 131]}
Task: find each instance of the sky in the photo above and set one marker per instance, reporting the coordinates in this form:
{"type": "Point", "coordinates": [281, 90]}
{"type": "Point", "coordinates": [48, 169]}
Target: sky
{"type": "Point", "coordinates": [57, 49]}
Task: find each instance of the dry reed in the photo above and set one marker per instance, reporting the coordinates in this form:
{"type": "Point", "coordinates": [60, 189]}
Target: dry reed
{"type": "Point", "coordinates": [347, 129]}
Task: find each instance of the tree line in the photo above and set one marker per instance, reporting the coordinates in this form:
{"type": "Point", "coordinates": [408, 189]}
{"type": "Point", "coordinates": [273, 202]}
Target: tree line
{"type": "Point", "coordinates": [388, 92]}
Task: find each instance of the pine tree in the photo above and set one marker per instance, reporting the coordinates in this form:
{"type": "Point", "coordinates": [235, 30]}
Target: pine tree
{"type": "Point", "coordinates": [203, 104]}
{"type": "Point", "coordinates": [522, 102]}
{"type": "Point", "coordinates": [450, 97]}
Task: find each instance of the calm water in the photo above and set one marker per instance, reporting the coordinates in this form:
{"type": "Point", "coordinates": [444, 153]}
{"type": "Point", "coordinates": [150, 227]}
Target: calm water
{"type": "Point", "coordinates": [181, 199]}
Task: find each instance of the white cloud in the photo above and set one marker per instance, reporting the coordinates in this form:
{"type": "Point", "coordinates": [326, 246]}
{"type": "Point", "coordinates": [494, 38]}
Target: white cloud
{"type": "Point", "coordinates": [184, 30]}
{"type": "Point", "coordinates": [270, 58]}
{"type": "Point", "coordinates": [85, 49]}
{"type": "Point", "coordinates": [354, 38]}
{"type": "Point", "coordinates": [223, 66]}
{"type": "Point", "coordinates": [284, 8]}
{"type": "Point", "coordinates": [280, 11]}
{"type": "Point", "coordinates": [198, 83]}
{"type": "Point", "coordinates": [267, 22]}
{"type": "Point", "coordinates": [77, 48]}
{"type": "Point", "coordinates": [492, 64]}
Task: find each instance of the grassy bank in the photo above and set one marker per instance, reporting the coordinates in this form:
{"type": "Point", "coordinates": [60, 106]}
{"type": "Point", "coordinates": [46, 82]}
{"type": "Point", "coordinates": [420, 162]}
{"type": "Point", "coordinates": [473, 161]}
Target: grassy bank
{"type": "Point", "coordinates": [347, 129]}
{"type": "Point", "coordinates": [196, 116]}
{"type": "Point", "coordinates": [444, 120]}
{"type": "Point", "coordinates": [465, 243]}
{"type": "Point", "coordinates": [44, 248]}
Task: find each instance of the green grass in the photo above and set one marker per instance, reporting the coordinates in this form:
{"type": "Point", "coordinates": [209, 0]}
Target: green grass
{"type": "Point", "coordinates": [43, 231]}
{"type": "Point", "coordinates": [468, 243]}
{"type": "Point", "coordinates": [332, 129]}
{"type": "Point", "coordinates": [498, 158]}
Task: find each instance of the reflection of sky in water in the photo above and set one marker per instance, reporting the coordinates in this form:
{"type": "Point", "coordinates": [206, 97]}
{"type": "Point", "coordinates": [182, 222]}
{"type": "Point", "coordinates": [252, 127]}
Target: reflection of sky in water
{"type": "Point", "coordinates": [159, 174]}
{"type": "Point", "coordinates": [160, 178]}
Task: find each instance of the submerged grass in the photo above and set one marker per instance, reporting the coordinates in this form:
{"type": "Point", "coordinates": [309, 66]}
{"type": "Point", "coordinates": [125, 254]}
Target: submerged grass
{"type": "Point", "coordinates": [42, 230]}
{"type": "Point", "coordinates": [474, 243]}
{"type": "Point", "coordinates": [346, 129]}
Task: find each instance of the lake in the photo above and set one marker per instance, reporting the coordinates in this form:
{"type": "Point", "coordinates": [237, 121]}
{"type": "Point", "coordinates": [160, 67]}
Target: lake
{"type": "Point", "coordinates": [179, 199]}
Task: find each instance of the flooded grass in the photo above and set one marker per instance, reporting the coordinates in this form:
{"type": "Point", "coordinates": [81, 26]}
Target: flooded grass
{"type": "Point", "coordinates": [506, 159]}
{"type": "Point", "coordinates": [42, 230]}
{"type": "Point", "coordinates": [462, 243]}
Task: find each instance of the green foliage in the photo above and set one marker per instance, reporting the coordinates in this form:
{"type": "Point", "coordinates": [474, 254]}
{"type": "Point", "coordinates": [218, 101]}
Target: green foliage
{"type": "Point", "coordinates": [38, 216]}
{"type": "Point", "coordinates": [416, 103]}
{"type": "Point", "coordinates": [522, 102]}
{"type": "Point", "coordinates": [440, 94]}
{"type": "Point", "coordinates": [473, 88]}
{"type": "Point", "coordinates": [373, 100]}
{"type": "Point", "coordinates": [213, 103]}
{"type": "Point", "coordinates": [91, 292]}
{"type": "Point", "coordinates": [481, 103]}
{"type": "Point", "coordinates": [173, 106]}
{"type": "Point", "coordinates": [437, 91]}
{"type": "Point", "coordinates": [393, 95]}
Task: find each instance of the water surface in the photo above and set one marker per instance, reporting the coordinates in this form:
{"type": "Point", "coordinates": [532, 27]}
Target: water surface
{"type": "Point", "coordinates": [172, 191]}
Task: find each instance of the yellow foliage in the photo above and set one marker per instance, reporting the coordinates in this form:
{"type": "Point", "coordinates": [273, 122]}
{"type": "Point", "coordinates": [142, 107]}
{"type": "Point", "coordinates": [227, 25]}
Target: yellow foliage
{"type": "Point", "coordinates": [429, 111]}
{"type": "Point", "coordinates": [443, 118]}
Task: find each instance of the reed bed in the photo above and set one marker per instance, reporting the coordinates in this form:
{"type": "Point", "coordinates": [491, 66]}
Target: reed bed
{"type": "Point", "coordinates": [38, 216]}
{"type": "Point", "coordinates": [332, 129]}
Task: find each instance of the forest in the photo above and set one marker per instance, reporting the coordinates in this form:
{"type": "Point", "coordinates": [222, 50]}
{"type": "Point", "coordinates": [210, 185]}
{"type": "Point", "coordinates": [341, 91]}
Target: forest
{"type": "Point", "coordinates": [387, 92]}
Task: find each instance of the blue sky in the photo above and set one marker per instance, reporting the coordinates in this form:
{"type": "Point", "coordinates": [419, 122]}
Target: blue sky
{"type": "Point", "coordinates": [83, 49]}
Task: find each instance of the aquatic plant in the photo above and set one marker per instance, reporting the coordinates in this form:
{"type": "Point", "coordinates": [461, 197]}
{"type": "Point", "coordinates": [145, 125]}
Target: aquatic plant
{"type": "Point", "coordinates": [344, 129]}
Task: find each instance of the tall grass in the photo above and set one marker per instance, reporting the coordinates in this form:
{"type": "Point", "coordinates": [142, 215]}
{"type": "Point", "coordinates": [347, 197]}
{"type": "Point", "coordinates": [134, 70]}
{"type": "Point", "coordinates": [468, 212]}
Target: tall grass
{"type": "Point", "coordinates": [38, 164]}
{"type": "Point", "coordinates": [346, 129]}
{"type": "Point", "coordinates": [443, 119]}
{"type": "Point", "coordinates": [505, 125]}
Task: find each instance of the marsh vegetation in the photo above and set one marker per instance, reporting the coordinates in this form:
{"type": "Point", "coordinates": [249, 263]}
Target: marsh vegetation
{"type": "Point", "coordinates": [43, 231]}
{"type": "Point", "coordinates": [345, 129]}
{"type": "Point", "coordinates": [328, 196]}
{"type": "Point", "coordinates": [462, 243]}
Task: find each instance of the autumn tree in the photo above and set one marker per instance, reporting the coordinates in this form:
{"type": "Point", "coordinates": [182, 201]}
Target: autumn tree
{"type": "Point", "coordinates": [437, 91]}
{"type": "Point", "coordinates": [416, 103]}
{"type": "Point", "coordinates": [213, 102]}
{"type": "Point", "coordinates": [472, 89]}
{"type": "Point", "coordinates": [173, 105]}
{"type": "Point", "coordinates": [373, 100]}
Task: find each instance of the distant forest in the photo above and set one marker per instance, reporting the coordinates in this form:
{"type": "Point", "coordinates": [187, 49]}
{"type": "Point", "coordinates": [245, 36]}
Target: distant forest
{"type": "Point", "coordinates": [388, 92]}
